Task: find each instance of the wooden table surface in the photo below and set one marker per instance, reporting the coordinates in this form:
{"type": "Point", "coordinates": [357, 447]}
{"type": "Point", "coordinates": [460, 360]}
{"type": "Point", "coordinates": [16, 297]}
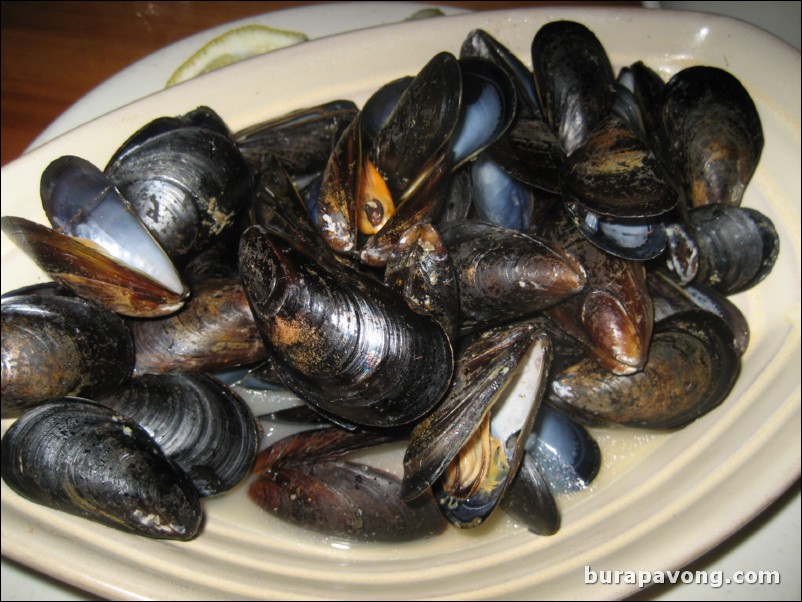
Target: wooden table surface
{"type": "Point", "coordinates": [53, 53]}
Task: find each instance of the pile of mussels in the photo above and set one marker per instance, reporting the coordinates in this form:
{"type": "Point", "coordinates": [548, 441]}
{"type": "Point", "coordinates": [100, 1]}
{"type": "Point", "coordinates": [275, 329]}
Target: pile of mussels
{"type": "Point", "coordinates": [480, 261]}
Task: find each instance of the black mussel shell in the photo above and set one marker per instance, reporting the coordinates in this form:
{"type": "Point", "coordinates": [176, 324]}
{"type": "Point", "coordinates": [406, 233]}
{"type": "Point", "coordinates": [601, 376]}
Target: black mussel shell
{"type": "Point", "coordinates": [715, 134]}
{"type": "Point", "coordinates": [188, 184]}
{"type": "Point", "coordinates": [79, 457]}
{"type": "Point", "coordinates": [197, 421]}
{"type": "Point", "coordinates": [737, 246]}
{"type": "Point", "coordinates": [344, 343]}
{"type": "Point", "coordinates": [574, 80]}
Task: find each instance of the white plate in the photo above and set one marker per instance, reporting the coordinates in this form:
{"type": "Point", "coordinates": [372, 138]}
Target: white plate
{"type": "Point", "coordinates": [679, 494]}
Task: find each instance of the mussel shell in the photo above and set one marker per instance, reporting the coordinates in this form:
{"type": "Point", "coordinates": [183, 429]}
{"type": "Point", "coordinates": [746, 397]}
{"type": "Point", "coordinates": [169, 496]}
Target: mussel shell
{"type": "Point", "coordinates": [499, 198]}
{"type": "Point", "coordinates": [301, 480]}
{"type": "Point", "coordinates": [715, 134]}
{"type": "Point", "coordinates": [488, 108]}
{"type": "Point", "coordinates": [278, 206]}
{"type": "Point", "coordinates": [529, 500]}
{"type": "Point", "coordinates": [55, 346]}
{"type": "Point", "coordinates": [187, 184]}
{"type": "Point", "coordinates": [79, 457]}
{"type": "Point", "coordinates": [530, 152]}
{"type": "Point", "coordinates": [214, 330]}
{"type": "Point", "coordinates": [302, 139]}
{"type": "Point", "coordinates": [574, 80]}
{"type": "Point", "coordinates": [420, 268]}
{"type": "Point", "coordinates": [507, 274]}
{"type": "Point", "coordinates": [416, 135]}
{"type": "Point", "coordinates": [613, 315]}
{"type": "Point", "coordinates": [480, 44]}
{"type": "Point", "coordinates": [197, 421]}
{"type": "Point", "coordinates": [485, 363]}
{"type": "Point", "coordinates": [469, 501]}
{"type": "Point", "coordinates": [615, 173]}
{"type": "Point", "coordinates": [566, 454]}
{"type": "Point", "coordinates": [691, 368]}
{"type": "Point", "coordinates": [344, 343]}
{"type": "Point", "coordinates": [737, 246]}
{"type": "Point", "coordinates": [80, 201]}
{"type": "Point", "coordinates": [91, 273]}
{"type": "Point", "coordinates": [670, 298]}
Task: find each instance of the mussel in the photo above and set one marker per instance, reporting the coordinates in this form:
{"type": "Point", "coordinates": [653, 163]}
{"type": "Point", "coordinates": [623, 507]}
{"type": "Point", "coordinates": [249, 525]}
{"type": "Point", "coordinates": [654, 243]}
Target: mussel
{"type": "Point", "coordinates": [98, 248]}
{"type": "Point", "coordinates": [714, 132]}
{"type": "Point", "coordinates": [304, 480]}
{"type": "Point", "coordinates": [186, 179]}
{"type": "Point", "coordinates": [199, 424]}
{"type": "Point", "coordinates": [344, 343]}
{"type": "Point", "coordinates": [691, 368]}
{"type": "Point", "coordinates": [56, 346]}
{"type": "Point", "coordinates": [471, 445]}
{"type": "Point", "coordinates": [89, 460]}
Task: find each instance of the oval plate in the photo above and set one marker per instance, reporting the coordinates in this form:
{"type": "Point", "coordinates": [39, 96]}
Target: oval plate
{"type": "Point", "coordinates": [687, 490]}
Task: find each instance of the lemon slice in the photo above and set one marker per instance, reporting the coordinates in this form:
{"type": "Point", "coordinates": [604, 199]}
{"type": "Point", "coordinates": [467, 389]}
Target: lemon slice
{"type": "Point", "coordinates": [233, 46]}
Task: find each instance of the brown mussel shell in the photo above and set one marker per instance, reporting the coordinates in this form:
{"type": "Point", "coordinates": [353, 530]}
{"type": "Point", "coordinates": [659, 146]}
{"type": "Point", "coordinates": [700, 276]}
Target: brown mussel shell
{"type": "Point", "coordinates": [57, 346]}
{"type": "Point", "coordinates": [691, 368]}
{"type": "Point", "coordinates": [302, 480]}
{"type": "Point", "coordinates": [214, 330]}
{"type": "Point", "coordinates": [613, 315]}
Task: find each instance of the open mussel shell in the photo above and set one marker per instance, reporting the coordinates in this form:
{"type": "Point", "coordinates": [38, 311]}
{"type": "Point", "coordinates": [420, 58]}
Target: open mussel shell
{"type": "Point", "coordinates": [366, 179]}
{"type": "Point", "coordinates": [480, 44]}
{"type": "Point", "coordinates": [691, 368]}
{"type": "Point", "coordinates": [302, 479]}
{"type": "Point", "coordinates": [79, 457]}
{"type": "Point", "coordinates": [187, 182]}
{"type": "Point", "coordinates": [344, 343]}
{"type": "Point", "coordinates": [82, 202]}
{"type": "Point", "coordinates": [506, 274]}
{"type": "Point", "coordinates": [91, 273]}
{"type": "Point", "coordinates": [502, 368]}
{"type": "Point", "coordinates": [499, 198]}
{"type": "Point", "coordinates": [55, 346]}
{"type": "Point", "coordinates": [418, 133]}
{"type": "Point", "coordinates": [214, 330]}
{"type": "Point", "coordinates": [197, 421]}
{"type": "Point", "coordinates": [715, 134]}
{"type": "Point", "coordinates": [670, 298]}
{"type": "Point", "coordinates": [574, 80]}
{"type": "Point", "coordinates": [487, 109]}
{"type": "Point", "coordinates": [476, 479]}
